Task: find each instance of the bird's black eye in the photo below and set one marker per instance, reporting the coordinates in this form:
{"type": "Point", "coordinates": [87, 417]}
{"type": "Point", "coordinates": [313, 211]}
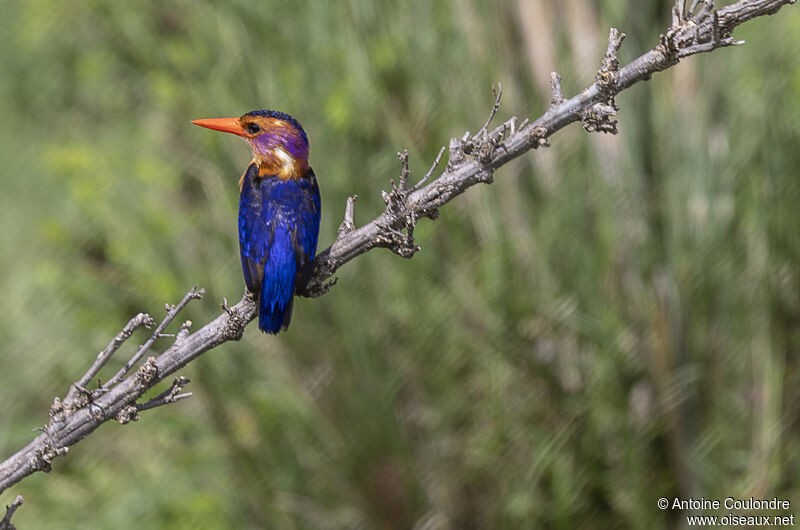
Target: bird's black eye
{"type": "Point", "coordinates": [253, 128]}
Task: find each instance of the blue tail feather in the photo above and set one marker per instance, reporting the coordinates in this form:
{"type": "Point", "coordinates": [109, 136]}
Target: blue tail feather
{"type": "Point", "coordinates": [277, 287]}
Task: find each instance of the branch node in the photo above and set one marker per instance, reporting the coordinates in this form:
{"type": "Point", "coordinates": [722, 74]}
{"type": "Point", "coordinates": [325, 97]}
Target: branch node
{"type": "Point", "coordinates": [537, 137]}
{"type": "Point", "coordinates": [183, 332]}
{"type": "Point", "coordinates": [43, 456]}
{"type": "Point", "coordinates": [600, 118]}
{"type": "Point", "coordinates": [455, 155]}
{"type": "Point", "coordinates": [485, 152]}
{"type": "Point", "coordinates": [397, 199]}
{"type": "Point", "coordinates": [197, 294]}
{"type": "Point", "coordinates": [698, 32]}
{"type": "Point", "coordinates": [609, 66]}
{"type": "Point", "coordinates": [84, 397]}
{"type": "Point", "coordinates": [401, 243]}
{"type": "Point", "coordinates": [234, 327]}
{"type": "Point", "coordinates": [225, 307]}
{"type": "Point", "coordinates": [147, 372]}
{"type": "Point", "coordinates": [128, 414]}
{"type": "Point", "coordinates": [57, 411]}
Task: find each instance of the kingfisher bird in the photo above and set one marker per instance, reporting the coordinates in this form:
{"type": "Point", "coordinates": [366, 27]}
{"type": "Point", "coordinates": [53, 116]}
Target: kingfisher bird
{"type": "Point", "coordinates": [279, 210]}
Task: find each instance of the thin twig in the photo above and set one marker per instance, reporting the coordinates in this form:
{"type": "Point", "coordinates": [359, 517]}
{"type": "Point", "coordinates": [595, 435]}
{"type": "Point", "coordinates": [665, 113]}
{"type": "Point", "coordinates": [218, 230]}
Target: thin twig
{"type": "Point", "coordinates": [498, 94]}
{"type": "Point", "coordinates": [5, 524]}
{"type": "Point", "coordinates": [677, 12]}
{"type": "Point", "coordinates": [184, 331]}
{"type": "Point", "coordinates": [172, 312]}
{"type": "Point", "coordinates": [556, 96]}
{"type": "Point", "coordinates": [705, 11]}
{"type": "Point", "coordinates": [348, 223]}
{"type": "Point", "coordinates": [430, 171]}
{"type": "Point", "coordinates": [170, 395]}
{"type": "Point", "coordinates": [404, 171]}
{"type": "Point", "coordinates": [142, 319]}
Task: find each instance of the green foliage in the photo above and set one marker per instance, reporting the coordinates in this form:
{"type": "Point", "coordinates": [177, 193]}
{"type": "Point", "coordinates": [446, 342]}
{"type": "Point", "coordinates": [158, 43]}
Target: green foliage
{"type": "Point", "coordinates": [614, 320]}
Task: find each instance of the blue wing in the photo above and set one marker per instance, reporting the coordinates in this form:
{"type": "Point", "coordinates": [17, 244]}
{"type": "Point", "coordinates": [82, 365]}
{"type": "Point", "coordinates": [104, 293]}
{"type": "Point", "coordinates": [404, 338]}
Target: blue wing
{"type": "Point", "coordinates": [306, 231]}
{"type": "Point", "coordinates": [255, 234]}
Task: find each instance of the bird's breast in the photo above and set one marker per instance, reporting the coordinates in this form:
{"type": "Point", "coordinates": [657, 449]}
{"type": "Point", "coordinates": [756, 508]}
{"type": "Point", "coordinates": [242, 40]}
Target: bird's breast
{"type": "Point", "coordinates": [280, 163]}
{"type": "Point", "coordinates": [270, 197]}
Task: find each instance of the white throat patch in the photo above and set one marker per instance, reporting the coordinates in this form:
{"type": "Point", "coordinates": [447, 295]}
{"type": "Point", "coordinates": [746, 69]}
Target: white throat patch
{"type": "Point", "coordinates": [286, 158]}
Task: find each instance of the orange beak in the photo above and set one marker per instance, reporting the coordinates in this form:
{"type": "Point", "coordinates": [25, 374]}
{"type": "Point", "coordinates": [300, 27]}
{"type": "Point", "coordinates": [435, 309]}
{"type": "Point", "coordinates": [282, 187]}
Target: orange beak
{"type": "Point", "coordinates": [229, 125]}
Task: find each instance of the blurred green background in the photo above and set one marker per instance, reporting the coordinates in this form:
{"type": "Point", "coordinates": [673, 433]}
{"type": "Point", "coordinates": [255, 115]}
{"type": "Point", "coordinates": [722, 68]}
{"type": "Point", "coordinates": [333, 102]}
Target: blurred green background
{"type": "Point", "coordinates": [616, 319]}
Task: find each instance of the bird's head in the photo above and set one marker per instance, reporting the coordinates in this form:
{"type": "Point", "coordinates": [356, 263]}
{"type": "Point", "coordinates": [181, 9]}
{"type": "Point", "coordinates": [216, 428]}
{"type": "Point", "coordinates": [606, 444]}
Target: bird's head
{"type": "Point", "coordinates": [277, 140]}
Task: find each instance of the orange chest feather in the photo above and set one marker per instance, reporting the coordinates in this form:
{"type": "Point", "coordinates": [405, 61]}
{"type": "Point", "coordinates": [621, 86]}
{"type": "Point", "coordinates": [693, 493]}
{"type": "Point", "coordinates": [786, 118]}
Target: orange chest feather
{"type": "Point", "coordinates": [281, 168]}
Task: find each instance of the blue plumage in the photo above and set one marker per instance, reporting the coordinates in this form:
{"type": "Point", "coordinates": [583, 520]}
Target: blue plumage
{"type": "Point", "coordinates": [278, 229]}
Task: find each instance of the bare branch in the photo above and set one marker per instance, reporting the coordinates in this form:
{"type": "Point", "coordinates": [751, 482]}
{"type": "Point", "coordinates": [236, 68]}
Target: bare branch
{"type": "Point", "coordinates": [71, 422]}
{"type": "Point", "coordinates": [472, 160]}
{"type": "Point", "coordinates": [430, 171]}
{"type": "Point", "coordinates": [464, 170]}
{"type": "Point", "coordinates": [5, 524]}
